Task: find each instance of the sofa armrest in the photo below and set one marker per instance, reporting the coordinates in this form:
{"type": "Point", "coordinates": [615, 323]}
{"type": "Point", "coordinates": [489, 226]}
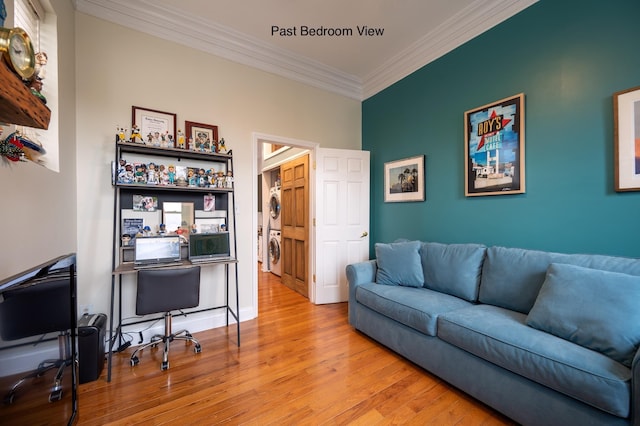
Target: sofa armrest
{"type": "Point", "coordinates": [635, 390]}
{"type": "Point", "coordinates": [359, 273]}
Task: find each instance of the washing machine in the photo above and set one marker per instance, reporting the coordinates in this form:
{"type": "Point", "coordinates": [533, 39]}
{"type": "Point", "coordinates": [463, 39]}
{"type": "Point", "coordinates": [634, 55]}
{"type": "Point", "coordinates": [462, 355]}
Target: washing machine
{"type": "Point", "coordinates": [275, 263]}
{"type": "Point", "coordinates": [275, 218]}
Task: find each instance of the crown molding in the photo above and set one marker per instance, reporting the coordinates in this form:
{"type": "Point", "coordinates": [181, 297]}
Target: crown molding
{"type": "Point", "coordinates": [469, 23]}
{"type": "Point", "coordinates": [172, 24]}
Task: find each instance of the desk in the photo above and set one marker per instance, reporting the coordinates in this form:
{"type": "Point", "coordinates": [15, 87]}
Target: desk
{"type": "Point", "coordinates": [128, 269]}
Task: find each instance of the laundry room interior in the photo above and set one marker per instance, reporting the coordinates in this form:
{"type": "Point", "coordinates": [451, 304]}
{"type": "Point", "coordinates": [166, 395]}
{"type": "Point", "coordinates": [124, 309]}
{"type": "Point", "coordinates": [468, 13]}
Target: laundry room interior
{"type": "Point", "coordinates": [288, 264]}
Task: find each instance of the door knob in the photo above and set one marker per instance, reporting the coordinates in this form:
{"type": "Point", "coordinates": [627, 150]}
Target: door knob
{"type": "Point", "coordinates": [364, 234]}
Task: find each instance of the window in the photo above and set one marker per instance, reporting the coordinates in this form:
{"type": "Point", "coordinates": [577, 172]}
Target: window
{"type": "Point", "coordinates": [37, 18]}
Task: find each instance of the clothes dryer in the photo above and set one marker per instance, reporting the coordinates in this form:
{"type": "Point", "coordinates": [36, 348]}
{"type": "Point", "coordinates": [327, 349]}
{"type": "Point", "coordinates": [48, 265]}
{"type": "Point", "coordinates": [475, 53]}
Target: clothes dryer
{"type": "Point", "coordinates": [275, 262]}
{"type": "Point", "coordinates": [275, 218]}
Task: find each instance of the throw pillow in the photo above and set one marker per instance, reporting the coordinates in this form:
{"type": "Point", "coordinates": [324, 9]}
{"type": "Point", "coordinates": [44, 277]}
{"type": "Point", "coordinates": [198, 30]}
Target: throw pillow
{"type": "Point", "coordinates": [592, 308]}
{"type": "Point", "coordinates": [453, 268]}
{"type": "Point", "coordinates": [399, 264]}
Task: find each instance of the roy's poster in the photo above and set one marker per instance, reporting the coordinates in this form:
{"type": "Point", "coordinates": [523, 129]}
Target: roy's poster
{"type": "Point", "coordinates": [494, 148]}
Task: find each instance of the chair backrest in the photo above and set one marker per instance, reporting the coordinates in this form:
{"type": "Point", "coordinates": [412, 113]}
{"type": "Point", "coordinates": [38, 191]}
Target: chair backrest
{"type": "Point", "coordinates": [167, 289]}
{"type": "Point", "coordinates": [36, 309]}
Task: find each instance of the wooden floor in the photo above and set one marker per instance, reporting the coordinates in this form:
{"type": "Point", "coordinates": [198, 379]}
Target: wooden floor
{"type": "Point", "coordinates": [299, 364]}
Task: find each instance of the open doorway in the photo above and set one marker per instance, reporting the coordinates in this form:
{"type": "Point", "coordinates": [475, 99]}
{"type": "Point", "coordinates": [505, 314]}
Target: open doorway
{"type": "Point", "coordinates": [271, 153]}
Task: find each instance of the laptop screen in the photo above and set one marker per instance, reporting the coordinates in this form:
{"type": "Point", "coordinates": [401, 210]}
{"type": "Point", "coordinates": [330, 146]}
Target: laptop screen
{"type": "Point", "coordinates": [209, 246]}
{"type": "Point", "coordinates": [149, 250]}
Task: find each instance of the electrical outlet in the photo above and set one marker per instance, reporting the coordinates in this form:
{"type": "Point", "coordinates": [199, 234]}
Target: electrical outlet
{"type": "Point", "coordinates": [86, 309]}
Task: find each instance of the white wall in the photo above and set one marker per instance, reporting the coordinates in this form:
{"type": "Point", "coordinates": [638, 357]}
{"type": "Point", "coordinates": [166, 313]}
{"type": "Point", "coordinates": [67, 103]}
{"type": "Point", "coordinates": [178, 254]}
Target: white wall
{"type": "Point", "coordinates": [118, 67]}
{"type": "Point", "coordinates": [37, 207]}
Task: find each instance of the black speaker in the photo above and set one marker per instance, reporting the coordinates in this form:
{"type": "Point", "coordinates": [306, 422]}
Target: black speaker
{"type": "Point", "coordinates": [91, 339]}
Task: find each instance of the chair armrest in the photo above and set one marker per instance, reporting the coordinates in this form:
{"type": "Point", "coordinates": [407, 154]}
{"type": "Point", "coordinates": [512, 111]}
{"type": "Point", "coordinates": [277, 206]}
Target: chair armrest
{"type": "Point", "coordinates": [359, 273]}
{"type": "Point", "coordinates": [635, 390]}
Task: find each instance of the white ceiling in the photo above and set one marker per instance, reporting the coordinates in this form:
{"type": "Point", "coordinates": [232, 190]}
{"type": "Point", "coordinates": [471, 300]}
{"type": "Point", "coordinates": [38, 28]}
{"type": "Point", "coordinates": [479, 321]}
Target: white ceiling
{"type": "Point", "coordinates": [415, 32]}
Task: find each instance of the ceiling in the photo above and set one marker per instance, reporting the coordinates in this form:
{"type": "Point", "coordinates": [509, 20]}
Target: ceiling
{"type": "Point", "coordinates": [407, 34]}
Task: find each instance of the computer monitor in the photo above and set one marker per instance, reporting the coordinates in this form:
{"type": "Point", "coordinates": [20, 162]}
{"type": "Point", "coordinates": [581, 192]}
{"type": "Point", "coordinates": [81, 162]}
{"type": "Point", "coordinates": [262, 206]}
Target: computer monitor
{"type": "Point", "coordinates": [210, 246]}
{"type": "Point", "coordinates": [156, 250]}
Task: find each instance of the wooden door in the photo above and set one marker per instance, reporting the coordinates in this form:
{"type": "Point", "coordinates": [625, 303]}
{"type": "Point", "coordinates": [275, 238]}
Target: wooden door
{"type": "Point", "coordinates": [295, 224]}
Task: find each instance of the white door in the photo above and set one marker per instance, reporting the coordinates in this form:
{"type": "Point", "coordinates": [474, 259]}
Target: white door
{"type": "Point", "coordinates": [341, 221]}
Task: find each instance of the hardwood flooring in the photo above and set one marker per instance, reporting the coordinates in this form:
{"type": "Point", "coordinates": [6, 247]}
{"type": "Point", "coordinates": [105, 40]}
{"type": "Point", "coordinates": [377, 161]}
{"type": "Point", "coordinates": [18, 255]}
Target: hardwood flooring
{"type": "Point", "coordinates": [299, 364]}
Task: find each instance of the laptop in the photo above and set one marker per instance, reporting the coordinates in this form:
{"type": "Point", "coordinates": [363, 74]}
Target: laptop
{"type": "Point", "coordinates": [156, 251]}
{"type": "Point", "coordinates": [209, 247]}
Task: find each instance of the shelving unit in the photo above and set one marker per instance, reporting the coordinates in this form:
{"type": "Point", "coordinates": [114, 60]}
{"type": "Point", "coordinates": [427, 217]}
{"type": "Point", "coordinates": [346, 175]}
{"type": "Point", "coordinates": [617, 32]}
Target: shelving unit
{"type": "Point", "coordinates": [123, 200]}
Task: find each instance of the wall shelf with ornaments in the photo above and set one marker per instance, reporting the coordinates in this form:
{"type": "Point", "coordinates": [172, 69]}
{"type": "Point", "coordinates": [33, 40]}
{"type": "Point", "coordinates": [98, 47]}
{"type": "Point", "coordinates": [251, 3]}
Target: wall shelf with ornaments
{"type": "Point", "coordinates": [18, 105]}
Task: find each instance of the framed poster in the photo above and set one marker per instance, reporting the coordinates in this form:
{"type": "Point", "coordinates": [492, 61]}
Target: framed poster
{"type": "Point", "coordinates": [201, 137]}
{"type": "Point", "coordinates": [626, 115]}
{"type": "Point", "coordinates": [156, 128]}
{"type": "Point", "coordinates": [404, 180]}
{"type": "Point", "coordinates": [494, 148]}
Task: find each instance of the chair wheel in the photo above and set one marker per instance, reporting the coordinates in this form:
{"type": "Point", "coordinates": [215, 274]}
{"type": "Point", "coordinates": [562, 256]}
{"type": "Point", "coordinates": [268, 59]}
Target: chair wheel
{"type": "Point", "coordinates": [197, 349]}
{"type": "Point", "coordinates": [8, 399]}
{"type": "Point", "coordinates": [164, 366]}
{"type": "Point", "coordinates": [134, 361]}
{"type": "Point", "coordinates": [55, 395]}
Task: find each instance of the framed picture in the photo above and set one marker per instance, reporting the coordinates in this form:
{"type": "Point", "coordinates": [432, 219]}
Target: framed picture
{"type": "Point", "coordinates": [201, 137]}
{"type": "Point", "coordinates": [404, 180]}
{"type": "Point", "coordinates": [157, 128]}
{"type": "Point", "coordinates": [626, 114]}
{"type": "Point", "coordinates": [494, 148]}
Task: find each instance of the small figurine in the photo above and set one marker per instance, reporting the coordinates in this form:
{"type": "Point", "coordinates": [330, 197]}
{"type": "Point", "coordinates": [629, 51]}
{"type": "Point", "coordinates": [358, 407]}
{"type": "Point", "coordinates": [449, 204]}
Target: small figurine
{"type": "Point", "coordinates": [40, 70]}
{"type": "Point", "coordinates": [146, 231]}
{"type": "Point", "coordinates": [222, 147]}
{"type": "Point", "coordinates": [119, 134]}
{"type": "Point", "coordinates": [163, 175]}
{"type": "Point", "coordinates": [194, 229]}
{"type": "Point", "coordinates": [192, 147]}
{"type": "Point", "coordinates": [141, 173]}
{"type": "Point", "coordinates": [129, 176]}
{"type": "Point", "coordinates": [152, 174]}
{"type": "Point", "coordinates": [126, 239]}
{"type": "Point", "coordinates": [202, 179]}
{"type": "Point", "coordinates": [181, 139]}
{"type": "Point", "coordinates": [163, 229]}
{"type": "Point", "coordinates": [229, 180]}
{"type": "Point", "coordinates": [172, 174]}
{"type": "Point", "coordinates": [36, 89]}
{"type": "Point", "coordinates": [136, 137]}
{"type": "Point", "coordinates": [220, 180]}
{"type": "Point", "coordinates": [191, 177]}
{"type": "Point", "coordinates": [156, 139]}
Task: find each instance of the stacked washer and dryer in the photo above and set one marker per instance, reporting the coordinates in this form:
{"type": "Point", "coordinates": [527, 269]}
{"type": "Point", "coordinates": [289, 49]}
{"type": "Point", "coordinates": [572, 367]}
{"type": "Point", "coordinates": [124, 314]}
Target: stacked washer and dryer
{"type": "Point", "coordinates": [275, 223]}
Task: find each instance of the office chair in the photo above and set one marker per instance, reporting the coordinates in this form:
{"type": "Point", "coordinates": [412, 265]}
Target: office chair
{"type": "Point", "coordinates": [35, 310]}
{"type": "Point", "coordinates": [165, 290]}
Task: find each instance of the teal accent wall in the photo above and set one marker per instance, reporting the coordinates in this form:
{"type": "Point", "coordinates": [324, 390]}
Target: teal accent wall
{"type": "Point", "coordinates": [568, 57]}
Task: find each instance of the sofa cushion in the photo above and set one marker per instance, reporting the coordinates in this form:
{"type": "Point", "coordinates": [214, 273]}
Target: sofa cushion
{"type": "Point", "coordinates": [417, 308]}
{"type": "Point", "coordinates": [595, 309]}
{"type": "Point", "coordinates": [399, 264]}
{"type": "Point", "coordinates": [501, 336]}
{"type": "Point", "coordinates": [512, 277]}
{"type": "Point", "coordinates": [453, 268]}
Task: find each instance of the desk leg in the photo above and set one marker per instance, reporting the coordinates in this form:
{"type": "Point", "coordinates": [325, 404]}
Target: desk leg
{"type": "Point", "coordinates": [110, 355]}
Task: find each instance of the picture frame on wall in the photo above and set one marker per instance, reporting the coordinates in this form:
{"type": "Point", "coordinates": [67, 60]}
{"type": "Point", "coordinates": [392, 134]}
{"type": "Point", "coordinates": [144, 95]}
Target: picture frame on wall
{"type": "Point", "coordinates": [626, 115]}
{"type": "Point", "coordinates": [157, 128]}
{"type": "Point", "coordinates": [404, 180]}
{"type": "Point", "coordinates": [494, 148]}
{"type": "Point", "coordinates": [201, 137]}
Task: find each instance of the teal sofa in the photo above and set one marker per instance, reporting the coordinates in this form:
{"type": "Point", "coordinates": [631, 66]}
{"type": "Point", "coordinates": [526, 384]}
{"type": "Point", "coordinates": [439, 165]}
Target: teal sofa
{"type": "Point", "coordinates": [545, 338]}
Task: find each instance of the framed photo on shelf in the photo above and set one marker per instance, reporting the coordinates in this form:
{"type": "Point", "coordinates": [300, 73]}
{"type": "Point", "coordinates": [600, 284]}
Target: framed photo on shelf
{"type": "Point", "coordinates": [626, 115]}
{"type": "Point", "coordinates": [494, 148]}
{"type": "Point", "coordinates": [201, 137]}
{"type": "Point", "coordinates": [404, 180]}
{"type": "Point", "coordinates": [157, 128]}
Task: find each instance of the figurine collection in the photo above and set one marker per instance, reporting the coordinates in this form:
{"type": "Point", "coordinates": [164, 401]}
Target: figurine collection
{"type": "Point", "coordinates": [160, 174]}
{"type": "Point", "coordinates": [167, 140]}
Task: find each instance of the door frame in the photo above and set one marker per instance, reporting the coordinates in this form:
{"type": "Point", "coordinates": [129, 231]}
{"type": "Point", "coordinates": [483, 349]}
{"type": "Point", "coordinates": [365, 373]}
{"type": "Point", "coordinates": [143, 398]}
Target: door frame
{"type": "Point", "coordinates": [259, 138]}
